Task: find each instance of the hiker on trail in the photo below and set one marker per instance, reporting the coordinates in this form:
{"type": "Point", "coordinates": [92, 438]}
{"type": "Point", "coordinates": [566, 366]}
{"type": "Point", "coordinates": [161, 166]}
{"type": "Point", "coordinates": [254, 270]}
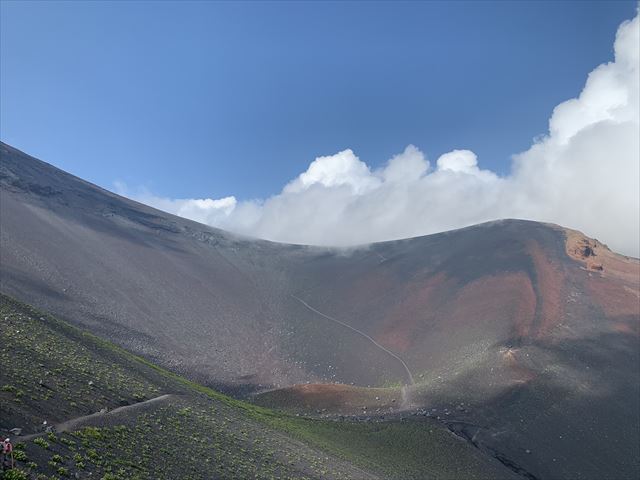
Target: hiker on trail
{"type": "Point", "coordinates": [7, 454]}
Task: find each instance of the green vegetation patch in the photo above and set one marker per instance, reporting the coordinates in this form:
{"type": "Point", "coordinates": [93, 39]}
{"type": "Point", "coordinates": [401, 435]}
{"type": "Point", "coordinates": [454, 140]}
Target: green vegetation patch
{"type": "Point", "coordinates": [52, 371]}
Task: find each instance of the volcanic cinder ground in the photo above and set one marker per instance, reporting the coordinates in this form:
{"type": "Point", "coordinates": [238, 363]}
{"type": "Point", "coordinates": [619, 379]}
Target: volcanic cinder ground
{"type": "Point", "coordinates": [523, 335]}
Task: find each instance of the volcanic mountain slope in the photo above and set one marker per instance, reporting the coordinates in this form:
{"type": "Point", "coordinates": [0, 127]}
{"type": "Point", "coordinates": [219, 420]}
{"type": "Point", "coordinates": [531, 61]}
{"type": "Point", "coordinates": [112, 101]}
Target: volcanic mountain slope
{"type": "Point", "coordinates": [117, 417]}
{"type": "Point", "coordinates": [527, 333]}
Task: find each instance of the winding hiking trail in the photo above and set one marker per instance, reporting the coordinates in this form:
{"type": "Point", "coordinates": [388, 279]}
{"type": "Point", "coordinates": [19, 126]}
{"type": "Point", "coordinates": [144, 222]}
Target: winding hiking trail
{"type": "Point", "coordinates": [73, 423]}
{"type": "Point", "coordinates": [389, 352]}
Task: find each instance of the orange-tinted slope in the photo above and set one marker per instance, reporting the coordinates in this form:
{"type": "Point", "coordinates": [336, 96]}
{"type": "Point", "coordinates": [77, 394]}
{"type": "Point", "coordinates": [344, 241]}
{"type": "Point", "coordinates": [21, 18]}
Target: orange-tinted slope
{"type": "Point", "coordinates": [612, 281]}
{"type": "Point", "coordinates": [534, 334]}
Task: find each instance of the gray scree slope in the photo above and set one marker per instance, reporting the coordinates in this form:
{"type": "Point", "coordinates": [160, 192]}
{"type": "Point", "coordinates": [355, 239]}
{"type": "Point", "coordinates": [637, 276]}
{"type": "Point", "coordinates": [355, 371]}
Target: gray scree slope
{"type": "Point", "coordinates": [542, 346]}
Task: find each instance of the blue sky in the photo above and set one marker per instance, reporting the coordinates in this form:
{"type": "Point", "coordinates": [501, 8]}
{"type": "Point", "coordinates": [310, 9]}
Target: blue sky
{"type": "Point", "coordinates": [211, 99]}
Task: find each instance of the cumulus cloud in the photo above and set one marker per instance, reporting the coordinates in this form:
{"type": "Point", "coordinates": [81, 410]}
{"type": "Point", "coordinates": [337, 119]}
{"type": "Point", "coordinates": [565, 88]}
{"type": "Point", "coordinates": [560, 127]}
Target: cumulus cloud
{"type": "Point", "coordinates": [584, 173]}
{"type": "Point", "coordinates": [203, 210]}
{"type": "Point", "coordinates": [341, 169]}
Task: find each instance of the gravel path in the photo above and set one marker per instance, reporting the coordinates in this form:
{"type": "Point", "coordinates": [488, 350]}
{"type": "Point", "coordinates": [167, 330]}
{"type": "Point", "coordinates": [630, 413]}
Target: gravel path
{"type": "Point", "coordinates": [74, 423]}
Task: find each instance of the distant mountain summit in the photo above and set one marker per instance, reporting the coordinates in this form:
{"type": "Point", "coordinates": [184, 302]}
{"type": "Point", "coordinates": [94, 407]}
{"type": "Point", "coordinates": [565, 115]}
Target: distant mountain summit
{"type": "Point", "coordinates": [525, 333]}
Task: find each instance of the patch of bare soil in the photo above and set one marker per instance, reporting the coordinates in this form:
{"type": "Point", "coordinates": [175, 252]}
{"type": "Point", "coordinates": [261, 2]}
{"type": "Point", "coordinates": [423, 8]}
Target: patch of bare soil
{"type": "Point", "coordinates": [329, 398]}
{"type": "Point", "coordinates": [597, 257]}
{"type": "Point", "coordinates": [613, 280]}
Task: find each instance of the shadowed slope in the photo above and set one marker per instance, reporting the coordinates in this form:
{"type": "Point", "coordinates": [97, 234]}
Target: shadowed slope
{"type": "Point", "coordinates": [83, 380]}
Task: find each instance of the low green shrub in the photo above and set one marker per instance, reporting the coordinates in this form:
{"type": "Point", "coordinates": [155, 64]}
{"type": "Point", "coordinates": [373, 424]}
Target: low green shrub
{"type": "Point", "coordinates": [15, 474]}
{"type": "Point", "coordinates": [42, 442]}
{"type": "Point", "coordinates": [20, 456]}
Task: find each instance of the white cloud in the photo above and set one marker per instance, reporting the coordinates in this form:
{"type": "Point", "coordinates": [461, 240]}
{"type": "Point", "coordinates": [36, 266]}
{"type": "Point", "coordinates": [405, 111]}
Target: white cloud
{"type": "Point", "coordinates": [406, 166]}
{"type": "Point", "coordinates": [583, 174]}
{"type": "Point", "coordinates": [341, 169]}
{"type": "Point", "coordinates": [459, 161]}
{"type": "Point", "coordinates": [203, 210]}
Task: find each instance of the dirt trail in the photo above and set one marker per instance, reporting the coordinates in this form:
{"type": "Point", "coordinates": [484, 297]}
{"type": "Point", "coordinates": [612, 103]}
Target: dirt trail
{"type": "Point", "coordinates": [73, 423]}
{"type": "Point", "coordinates": [389, 352]}
{"type": "Point", "coordinates": [405, 391]}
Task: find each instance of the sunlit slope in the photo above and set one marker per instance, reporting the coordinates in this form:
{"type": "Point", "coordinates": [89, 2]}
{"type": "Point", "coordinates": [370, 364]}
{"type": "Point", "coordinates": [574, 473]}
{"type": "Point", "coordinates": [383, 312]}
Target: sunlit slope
{"type": "Point", "coordinates": [195, 299]}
